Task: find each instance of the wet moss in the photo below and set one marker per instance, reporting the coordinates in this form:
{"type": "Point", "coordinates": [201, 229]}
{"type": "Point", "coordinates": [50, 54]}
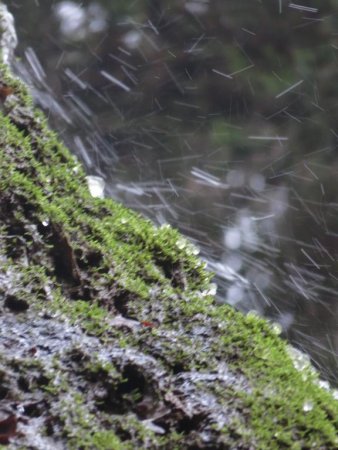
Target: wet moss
{"type": "Point", "coordinates": [122, 336]}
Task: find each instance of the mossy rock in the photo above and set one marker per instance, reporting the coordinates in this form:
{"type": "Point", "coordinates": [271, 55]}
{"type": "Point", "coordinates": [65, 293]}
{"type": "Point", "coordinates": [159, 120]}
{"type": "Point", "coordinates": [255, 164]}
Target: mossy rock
{"type": "Point", "coordinates": [111, 337]}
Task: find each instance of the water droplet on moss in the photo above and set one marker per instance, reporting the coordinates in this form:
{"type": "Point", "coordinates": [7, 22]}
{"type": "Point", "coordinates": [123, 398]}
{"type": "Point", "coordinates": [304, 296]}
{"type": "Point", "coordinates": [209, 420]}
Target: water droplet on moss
{"type": "Point", "coordinates": [193, 250]}
{"type": "Point", "coordinates": [324, 384]}
{"type": "Point", "coordinates": [276, 328]}
{"type": "Point", "coordinates": [252, 314]}
{"type": "Point", "coordinates": [213, 289]}
{"type": "Point", "coordinates": [96, 186]}
{"type": "Point", "coordinates": [181, 243]}
{"type": "Point", "coordinates": [76, 169]}
{"type": "Point", "coordinates": [307, 406]}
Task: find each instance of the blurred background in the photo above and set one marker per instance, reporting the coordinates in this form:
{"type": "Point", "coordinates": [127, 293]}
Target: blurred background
{"type": "Point", "coordinates": [218, 117]}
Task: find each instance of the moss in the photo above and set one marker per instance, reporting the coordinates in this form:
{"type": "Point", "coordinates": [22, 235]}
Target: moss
{"type": "Point", "coordinates": [138, 353]}
{"type": "Point", "coordinates": [104, 440]}
{"type": "Point", "coordinates": [81, 431]}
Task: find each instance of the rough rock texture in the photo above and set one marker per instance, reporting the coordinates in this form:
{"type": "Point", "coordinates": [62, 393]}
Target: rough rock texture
{"type": "Point", "coordinates": [110, 337]}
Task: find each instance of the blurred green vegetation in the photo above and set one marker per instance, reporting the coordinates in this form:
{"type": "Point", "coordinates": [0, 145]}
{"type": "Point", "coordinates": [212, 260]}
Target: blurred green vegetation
{"type": "Point", "coordinates": [262, 48]}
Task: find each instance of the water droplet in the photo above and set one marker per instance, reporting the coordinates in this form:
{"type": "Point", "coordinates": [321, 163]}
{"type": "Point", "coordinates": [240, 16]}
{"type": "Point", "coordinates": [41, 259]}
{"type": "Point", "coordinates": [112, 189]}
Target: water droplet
{"type": "Point", "coordinates": [235, 294]}
{"type": "Point", "coordinates": [232, 238]}
{"type": "Point", "coordinates": [324, 384]}
{"type": "Point", "coordinates": [132, 39]}
{"type": "Point", "coordinates": [300, 360]}
{"type": "Point", "coordinates": [181, 243]}
{"type": "Point", "coordinates": [235, 178]}
{"type": "Point", "coordinates": [252, 314]}
{"type": "Point", "coordinates": [212, 289]}
{"type": "Point", "coordinates": [257, 182]}
{"type": "Point", "coordinates": [193, 250]}
{"type": "Point", "coordinates": [96, 186]}
{"type": "Point", "coordinates": [276, 328]}
{"type": "Point", "coordinates": [307, 406]}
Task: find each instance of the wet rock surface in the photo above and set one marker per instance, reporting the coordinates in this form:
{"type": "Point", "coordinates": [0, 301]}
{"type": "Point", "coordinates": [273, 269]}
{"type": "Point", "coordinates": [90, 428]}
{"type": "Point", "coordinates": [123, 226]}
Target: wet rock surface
{"type": "Point", "coordinates": [47, 364]}
{"type": "Point", "coordinates": [53, 374]}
